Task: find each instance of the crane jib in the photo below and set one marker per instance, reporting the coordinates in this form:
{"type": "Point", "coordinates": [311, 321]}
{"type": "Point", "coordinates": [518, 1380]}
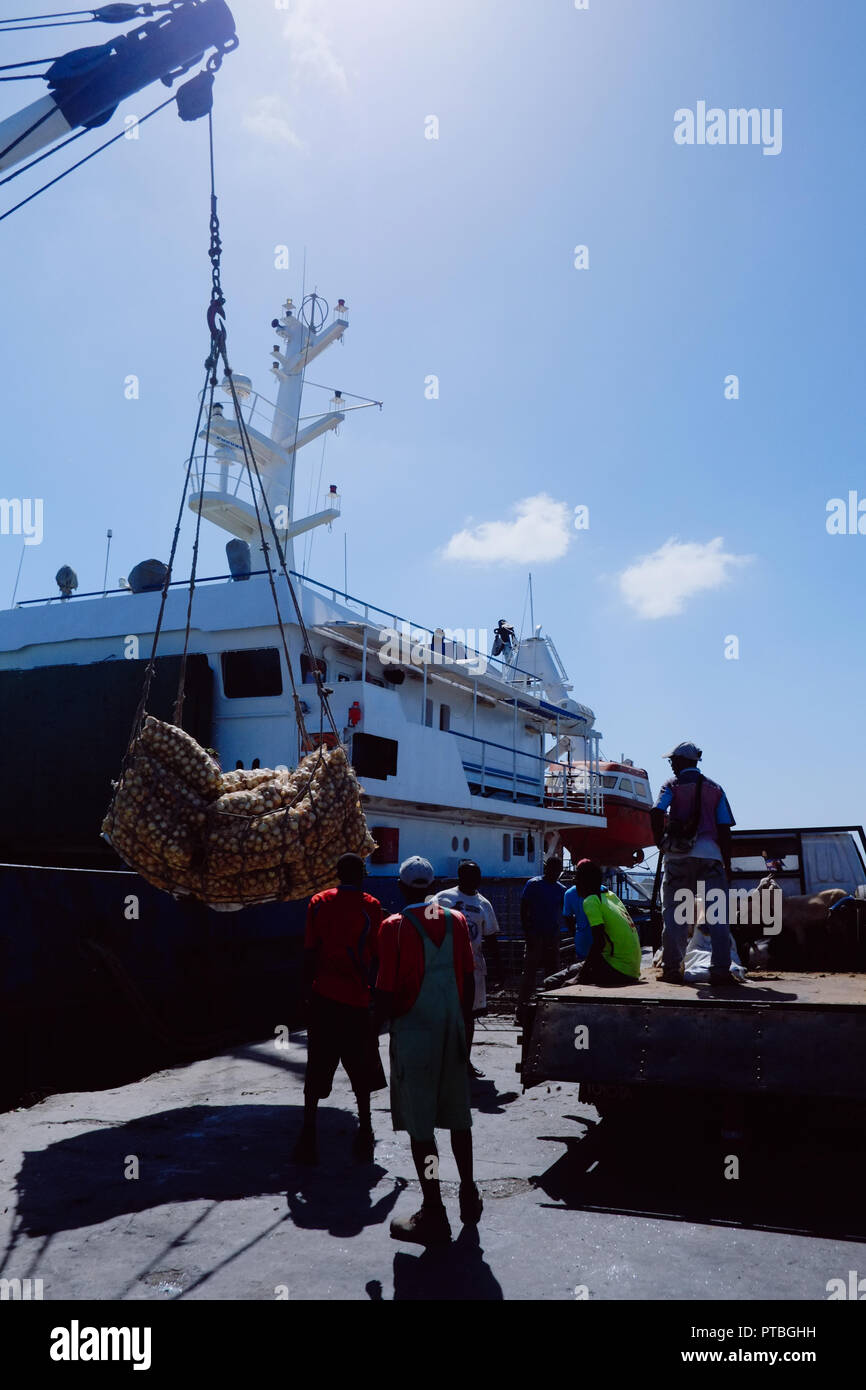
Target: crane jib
{"type": "Point", "coordinates": [88, 83]}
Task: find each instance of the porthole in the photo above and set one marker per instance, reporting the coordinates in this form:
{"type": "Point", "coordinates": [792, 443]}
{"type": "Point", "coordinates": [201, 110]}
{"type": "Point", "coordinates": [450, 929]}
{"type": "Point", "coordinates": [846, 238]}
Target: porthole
{"type": "Point", "coordinates": [454, 842]}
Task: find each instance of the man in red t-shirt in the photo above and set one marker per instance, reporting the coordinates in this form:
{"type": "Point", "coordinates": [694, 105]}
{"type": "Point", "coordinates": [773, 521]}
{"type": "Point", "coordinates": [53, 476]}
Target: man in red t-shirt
{"type": "Point", "coordinates": [426, 986]}
{"type": "Point", "coordinates": [340, 958]}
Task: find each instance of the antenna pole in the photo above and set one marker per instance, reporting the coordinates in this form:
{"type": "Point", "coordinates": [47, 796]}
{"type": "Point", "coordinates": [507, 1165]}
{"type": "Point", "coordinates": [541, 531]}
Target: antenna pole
{"type": "Point", "coordinates": [531, 607]}
{"type": "Point", "coordinates": [18, 575]}
{"type": "Point", "coordinates": [345, 566]}
{"type": "Point", "coordinates": [108, 536]}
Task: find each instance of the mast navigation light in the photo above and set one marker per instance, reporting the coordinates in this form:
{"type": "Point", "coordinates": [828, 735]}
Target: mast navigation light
{"type": "Point", "coordinates": [337, 400]}
{"type": "Point", "coordinates": [217, 410]}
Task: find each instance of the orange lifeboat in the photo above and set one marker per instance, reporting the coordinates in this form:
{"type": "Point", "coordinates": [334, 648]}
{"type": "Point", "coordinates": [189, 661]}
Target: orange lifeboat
{"type": "Point", "coordinates": [627, 805]}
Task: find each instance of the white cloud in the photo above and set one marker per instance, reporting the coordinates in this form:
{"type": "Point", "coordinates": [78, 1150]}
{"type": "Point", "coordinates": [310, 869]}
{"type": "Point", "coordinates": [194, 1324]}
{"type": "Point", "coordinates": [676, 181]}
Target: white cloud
{"type": "Point", "coordinates": [539, 532]}
{"type": "Point", "coordinates": [309, 45]}
{"type": "Point", "coordinates": [657, 585]}
{"type": "Point", "coordinates": [269, 119]}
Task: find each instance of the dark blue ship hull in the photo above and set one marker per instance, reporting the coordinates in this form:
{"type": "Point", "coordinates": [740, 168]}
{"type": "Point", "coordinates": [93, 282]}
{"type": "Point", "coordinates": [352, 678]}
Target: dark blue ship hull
{"type": "Point", "coordinates": [104, 978]}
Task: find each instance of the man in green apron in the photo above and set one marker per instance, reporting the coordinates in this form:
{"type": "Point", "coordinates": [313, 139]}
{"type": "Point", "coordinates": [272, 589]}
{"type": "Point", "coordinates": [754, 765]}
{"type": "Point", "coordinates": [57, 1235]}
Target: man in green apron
{"type": "Point", "coordinates": [426, 986]}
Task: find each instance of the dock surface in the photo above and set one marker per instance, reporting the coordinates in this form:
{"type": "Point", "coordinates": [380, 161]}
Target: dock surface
{"type": "Point", "coordinates": [217, 1211]}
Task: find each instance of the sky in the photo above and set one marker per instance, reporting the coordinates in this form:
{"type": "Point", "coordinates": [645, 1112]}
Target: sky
{"type": "Point", "coordinates": [624, 363]}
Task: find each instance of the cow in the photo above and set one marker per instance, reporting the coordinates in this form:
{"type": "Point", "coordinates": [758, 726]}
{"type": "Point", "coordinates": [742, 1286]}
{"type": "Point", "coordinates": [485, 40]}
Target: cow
{"type": "Point", "coordinates": [816, 932]}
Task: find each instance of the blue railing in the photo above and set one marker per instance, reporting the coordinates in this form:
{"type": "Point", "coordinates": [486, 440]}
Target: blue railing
{"type": "Point", "coordinates": [491, 778]}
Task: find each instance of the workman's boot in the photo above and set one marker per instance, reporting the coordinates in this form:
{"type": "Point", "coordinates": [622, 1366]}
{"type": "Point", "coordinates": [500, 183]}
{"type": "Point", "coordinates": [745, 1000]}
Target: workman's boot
{"type": "Point", "coordinates": [672, 977]}
{"type": "Point", "coordinates": [471, 1205]}
{"type": "Point", "coordinates": [719, 978]}
{"type": "Point", "coordinates": [429, 1226]}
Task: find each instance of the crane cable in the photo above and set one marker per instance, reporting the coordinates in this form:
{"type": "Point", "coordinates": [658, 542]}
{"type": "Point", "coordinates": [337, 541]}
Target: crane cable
{"type": "Point", "coordinates": [215, 314]}
{"type": "Point", "coordinates": [105, 14]}
{"type": "Point", "coordinates": [119, 136]}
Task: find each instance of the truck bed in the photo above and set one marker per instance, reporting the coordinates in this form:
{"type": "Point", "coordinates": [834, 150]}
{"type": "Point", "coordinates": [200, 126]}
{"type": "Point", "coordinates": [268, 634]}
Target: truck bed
{"type": "Point", "coordinates": [775, 987]}
{"type": "Point", "coordinates": [794, 1033]}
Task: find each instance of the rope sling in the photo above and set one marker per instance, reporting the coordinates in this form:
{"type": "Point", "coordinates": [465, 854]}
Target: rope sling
{"type": "Point", "coordinates": [232, 839]}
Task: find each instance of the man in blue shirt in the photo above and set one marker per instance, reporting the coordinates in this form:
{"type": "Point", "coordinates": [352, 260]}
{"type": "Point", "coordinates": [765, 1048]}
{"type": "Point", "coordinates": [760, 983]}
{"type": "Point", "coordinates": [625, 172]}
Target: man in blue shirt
{"type": "Point", "coordinates": [541, 920]}
{"type": "Point", "coordinates": [576, 921]}
{"type": "Point", "coordinates": [692, 825]}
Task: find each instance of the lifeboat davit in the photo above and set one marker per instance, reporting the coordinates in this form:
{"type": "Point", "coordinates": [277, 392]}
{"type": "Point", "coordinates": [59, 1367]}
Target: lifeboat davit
{"type": "Point", "coordinates": [627, 805]}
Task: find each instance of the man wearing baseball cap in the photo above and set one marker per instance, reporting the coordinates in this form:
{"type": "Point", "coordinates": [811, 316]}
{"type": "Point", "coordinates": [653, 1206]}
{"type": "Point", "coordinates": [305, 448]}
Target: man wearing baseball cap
{"type": "Point", "coordinates": [426, 986]}
{"type": "Point", "coordinates": [692, 826]}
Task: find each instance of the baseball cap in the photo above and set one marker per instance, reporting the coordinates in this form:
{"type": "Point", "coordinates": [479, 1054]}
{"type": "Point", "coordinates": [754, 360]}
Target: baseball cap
{"type": "Point", "coordinates": [685, 750]}
{"type": "Point", "coordinates": [416, 872]}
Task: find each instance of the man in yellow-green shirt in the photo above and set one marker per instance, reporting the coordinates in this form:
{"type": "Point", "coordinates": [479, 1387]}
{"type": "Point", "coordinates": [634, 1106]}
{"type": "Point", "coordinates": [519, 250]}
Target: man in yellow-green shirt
{"type": "Point", "coordinates": [614, 956]}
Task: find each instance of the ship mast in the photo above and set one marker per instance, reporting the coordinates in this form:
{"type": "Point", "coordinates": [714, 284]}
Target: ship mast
{"type": "Point", "coordinates": [305, 335]}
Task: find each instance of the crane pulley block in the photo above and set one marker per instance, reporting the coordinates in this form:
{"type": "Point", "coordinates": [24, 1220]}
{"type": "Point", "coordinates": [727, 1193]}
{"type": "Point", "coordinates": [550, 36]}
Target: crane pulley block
{"type": "Point", "coordinates": [88, 84]}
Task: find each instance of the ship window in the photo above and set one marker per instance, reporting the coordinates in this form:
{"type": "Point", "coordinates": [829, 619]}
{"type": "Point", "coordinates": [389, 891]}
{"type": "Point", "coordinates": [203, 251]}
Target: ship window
{"type": "Point", "coordinates": [519, 844]}
{"type": "Point", "coordinates": [454, 842]}
{"type": "Point", "coordinates": [466, 843]}
{"type": "Point", "coordinates": [445, 718]}
{"type": "Point", "coordinates": [626, 784]}
{"type": "Point", "coordinates": [530, 847]}
{"type": "Point", "coordinates": [506, 848]}
{"type": "Point", "coordinates": [252, 672]}
{"type": "Point", "coordinates": [642, 790]}
{"type": "Point", "coordinates": [428, 713]}
{"type": "Point", "coordinates": [608, 782]}
{"type": "Point", "coordinates": [373, 756]}
{"type": "Point", "coordinates": [256, 762]}
{"type": "Point", "coordinates": [238, 763]}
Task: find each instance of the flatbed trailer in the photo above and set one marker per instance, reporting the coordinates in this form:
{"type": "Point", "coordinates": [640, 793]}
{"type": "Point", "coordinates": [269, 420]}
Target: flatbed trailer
{"type": "Point", "coordinates": [779, 1033]}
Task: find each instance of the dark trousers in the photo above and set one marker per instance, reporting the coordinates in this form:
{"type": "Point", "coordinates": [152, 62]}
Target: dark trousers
{"type": "Point", "coordinates": [542, 953]}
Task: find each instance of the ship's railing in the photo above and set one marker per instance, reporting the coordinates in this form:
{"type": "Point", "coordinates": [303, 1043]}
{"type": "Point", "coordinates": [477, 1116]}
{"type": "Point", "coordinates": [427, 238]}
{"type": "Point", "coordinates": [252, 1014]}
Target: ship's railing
{"type": "Point", "coordinates": [429, 636]}
{"type": "Point", "coordinates": [370, 612]}
{"type": "Point", "coordinates": [263, 415]}
{"type": "Point", "coordinates": [260, 413]}
{"type": "Point", "coordinates": [581, 788]}
{"type": "Point", "coordinates": [494, 769]}
{"type": "Point", "coordinates": [231, 479]}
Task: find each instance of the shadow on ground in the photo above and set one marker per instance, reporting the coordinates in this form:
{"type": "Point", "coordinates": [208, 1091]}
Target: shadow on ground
{"type": "Point", "coordinates": [778, 1165]}
{"type": "Point", "coordinates": [216, 1153]}
{"type": "Point", "coordinates": [457, 1273]}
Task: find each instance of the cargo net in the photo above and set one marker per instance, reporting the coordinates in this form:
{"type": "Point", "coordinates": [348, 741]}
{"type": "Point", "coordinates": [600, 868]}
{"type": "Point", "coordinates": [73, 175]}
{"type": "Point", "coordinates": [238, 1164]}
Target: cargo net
{"type": "Point", "coordinates": [233, 839]}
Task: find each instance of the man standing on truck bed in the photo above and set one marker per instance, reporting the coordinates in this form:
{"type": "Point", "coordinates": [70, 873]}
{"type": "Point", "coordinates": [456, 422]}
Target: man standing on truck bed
{"type": "Point", "coordinates": [692, 826]}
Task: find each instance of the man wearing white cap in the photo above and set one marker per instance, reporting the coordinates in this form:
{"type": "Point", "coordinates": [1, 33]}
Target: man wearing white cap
{"type": "Point", "coordinates": [426, 986]}
{"type": "Point", "coordinates": [692, 826]}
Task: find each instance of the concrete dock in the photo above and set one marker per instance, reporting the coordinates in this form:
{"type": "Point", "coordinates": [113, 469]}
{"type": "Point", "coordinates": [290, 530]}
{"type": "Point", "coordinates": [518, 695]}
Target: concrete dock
{"type": "Point", "coordinates": [179, 1186]}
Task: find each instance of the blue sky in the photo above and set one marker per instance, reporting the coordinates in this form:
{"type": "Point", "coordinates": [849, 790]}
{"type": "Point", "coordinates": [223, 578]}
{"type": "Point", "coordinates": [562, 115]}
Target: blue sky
{"type": "Point", "coordinates": [558, 387]}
